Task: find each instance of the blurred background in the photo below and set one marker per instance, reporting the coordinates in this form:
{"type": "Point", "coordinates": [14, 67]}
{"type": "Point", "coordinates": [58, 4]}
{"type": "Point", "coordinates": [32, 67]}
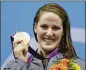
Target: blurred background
{"type": "Point", "coordinates": [18, 16]}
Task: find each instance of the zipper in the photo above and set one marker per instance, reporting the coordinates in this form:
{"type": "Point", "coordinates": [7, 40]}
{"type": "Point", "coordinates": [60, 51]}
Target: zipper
{"type": "Point", "coordinates": [45, 64]}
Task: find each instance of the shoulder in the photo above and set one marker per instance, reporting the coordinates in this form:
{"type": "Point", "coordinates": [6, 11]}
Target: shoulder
{"type": "Point", "coordinates": [81, 63]}
{"type": "Point", "coordinates": [11, 62]}
{"type": "Point", "coordinates": [15, 64]}
{"type": "Point", "coordinates": [16, 61]}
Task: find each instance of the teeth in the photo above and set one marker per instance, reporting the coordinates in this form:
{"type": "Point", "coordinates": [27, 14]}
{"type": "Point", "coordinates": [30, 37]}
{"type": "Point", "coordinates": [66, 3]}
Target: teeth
{"type": "Point", "coordinates": [48, 40]}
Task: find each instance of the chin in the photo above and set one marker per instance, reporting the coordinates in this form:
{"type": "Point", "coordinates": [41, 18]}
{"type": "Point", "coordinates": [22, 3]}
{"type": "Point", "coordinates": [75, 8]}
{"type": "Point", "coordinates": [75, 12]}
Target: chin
{"type": "Point", "coordinates": [48, 48]}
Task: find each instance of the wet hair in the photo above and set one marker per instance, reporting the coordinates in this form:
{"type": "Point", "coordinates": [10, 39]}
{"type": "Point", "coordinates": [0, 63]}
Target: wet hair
{"type": "Point", "coordinates": [65, 45]}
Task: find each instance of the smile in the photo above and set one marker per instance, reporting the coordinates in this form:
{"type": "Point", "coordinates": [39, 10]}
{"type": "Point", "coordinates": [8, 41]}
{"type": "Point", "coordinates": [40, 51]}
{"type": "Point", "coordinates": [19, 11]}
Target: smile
{"type": "Point", "coordinates": [48, 40]}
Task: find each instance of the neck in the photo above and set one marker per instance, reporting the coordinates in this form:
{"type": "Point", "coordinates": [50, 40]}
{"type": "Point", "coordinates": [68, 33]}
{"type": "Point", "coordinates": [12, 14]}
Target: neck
{"type": "Point", "coordinates": [43, 52]}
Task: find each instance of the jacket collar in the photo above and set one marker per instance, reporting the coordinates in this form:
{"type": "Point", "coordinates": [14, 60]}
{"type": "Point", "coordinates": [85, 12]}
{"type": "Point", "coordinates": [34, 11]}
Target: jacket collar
{"type": "Point", "coordinates": [52, 54]}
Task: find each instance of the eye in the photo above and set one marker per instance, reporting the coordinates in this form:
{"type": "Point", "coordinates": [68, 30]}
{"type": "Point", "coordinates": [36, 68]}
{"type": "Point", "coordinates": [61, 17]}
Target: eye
{"type": "Point", "coordinates": [44, 26]}
{"type": "Point", "coordinates": [56, 28]}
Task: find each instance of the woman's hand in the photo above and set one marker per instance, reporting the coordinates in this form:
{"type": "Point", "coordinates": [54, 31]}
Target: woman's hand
{"type": "Point", "coordinates": [20, 50]}
{"type": "Point", "coordinates": [20, 45]}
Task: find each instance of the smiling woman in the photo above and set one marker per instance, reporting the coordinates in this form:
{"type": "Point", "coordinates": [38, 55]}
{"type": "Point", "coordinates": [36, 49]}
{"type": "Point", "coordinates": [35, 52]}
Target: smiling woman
{"type": "Point", "coordinates": [52, 33]}
{"type": "Point", "coordinates": [49, 31]}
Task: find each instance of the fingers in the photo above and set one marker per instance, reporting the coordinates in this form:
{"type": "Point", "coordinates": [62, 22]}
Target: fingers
{"type": "Point", "coordinates": [20, 45]}
{"type": "Point", "coordinates": [20, 50]}
{"type": "Point", "coordinates": [16, 43]}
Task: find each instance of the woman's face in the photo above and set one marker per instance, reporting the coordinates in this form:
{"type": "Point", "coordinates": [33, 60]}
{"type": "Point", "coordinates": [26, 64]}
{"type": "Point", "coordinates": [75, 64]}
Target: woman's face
{"type": "Point", "coordinates": [49, 31]}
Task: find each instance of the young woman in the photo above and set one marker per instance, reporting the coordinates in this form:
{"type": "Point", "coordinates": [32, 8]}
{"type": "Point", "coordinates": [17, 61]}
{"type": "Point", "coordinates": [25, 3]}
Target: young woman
{"type": "Point", "coordinates": [52, 32]}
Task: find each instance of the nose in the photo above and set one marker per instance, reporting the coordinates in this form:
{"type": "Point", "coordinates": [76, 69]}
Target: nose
{"type": "Point", "coordinates": [49, 33]}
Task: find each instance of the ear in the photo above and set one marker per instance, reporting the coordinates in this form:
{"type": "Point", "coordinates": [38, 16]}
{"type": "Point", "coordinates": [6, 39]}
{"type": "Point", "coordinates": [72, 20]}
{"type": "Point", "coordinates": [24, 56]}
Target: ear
{"type": "Point", "coordinates": [35, 27]}
{"type": "Point", "coordinates": [62, 33]}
